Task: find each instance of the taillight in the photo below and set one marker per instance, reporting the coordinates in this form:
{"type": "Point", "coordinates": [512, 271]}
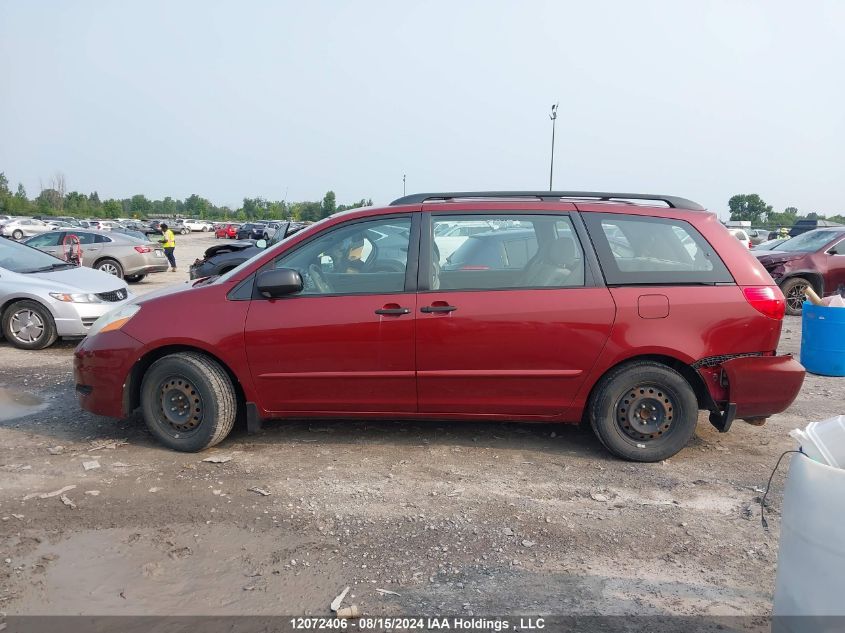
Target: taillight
{"type": "Point", "coordinates": [767, 300]}
{"type": "Point", "coordinates": [750, 244]}
{"type": "Point", "coordinates": [143, 249]}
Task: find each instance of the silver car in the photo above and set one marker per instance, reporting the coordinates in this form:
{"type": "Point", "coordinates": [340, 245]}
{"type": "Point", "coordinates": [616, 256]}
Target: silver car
{"type": "Point", "coordinates": [114, 253]}
{"type": "Point", "coordinates": [43, 298]}
{"type": "Point", "coordinates": [20, 228]}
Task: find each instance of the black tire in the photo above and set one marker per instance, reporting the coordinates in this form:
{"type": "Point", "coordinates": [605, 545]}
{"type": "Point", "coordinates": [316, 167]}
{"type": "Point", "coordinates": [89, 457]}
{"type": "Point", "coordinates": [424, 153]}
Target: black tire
{"type": "Point", "coordinates": [204, 399]}
{"type": "Point", "coordinates": [110, 266]}
{"type": "Point", "coordinates": [134, 279]}
{"type": "Point", "coordinates": [205, 229]}
{"type": "Point", "coordinates": [17, 234]}
{"type": "Point", "coordinates": [793, 291]}
{"type": "Point", "coordinates": [28, 325]}
{"type": "Point", "coordinates": [626, 395]}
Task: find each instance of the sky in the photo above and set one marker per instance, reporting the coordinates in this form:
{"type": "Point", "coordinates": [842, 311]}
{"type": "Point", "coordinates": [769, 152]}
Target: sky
{"type": "Point", "coordinates": [286, 100]}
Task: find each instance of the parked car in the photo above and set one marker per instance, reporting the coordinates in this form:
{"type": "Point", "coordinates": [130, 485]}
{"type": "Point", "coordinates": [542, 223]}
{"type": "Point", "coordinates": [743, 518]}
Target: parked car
{"type": "Point", "coordinates": [813, 259]}
{"type": "Point", "coordinates": [452, 235]}
{"type": "Point", "coordinates": [741, 235]}
{"type": "Point", "coordinates": [220, 259]}
{"type": "Point", "coordinates": [114, 253]}
{"type": "Point", "coordinates": [758, 236]}
{"type": "Point", "coordinates": [23, 227]}
{"type": "Point", "coordinates": [250, 231]}
{"type": "Point", "coordinates": [329, 323]}
{"type": "Point", "coordinates": [494, 250]}
{"type": "Point", "coordinates": [768, 245]}
{"type": "Point", "coordinates": [5, 218]}
{"type": "Point", "coordinates": [43, 298]}
{"type": "Point", "coordinates": [197, 225]}
{"type": "Point", "coordinates": [141, 235]}
{"type": "Point", "coordinates": [802, 226]}
{"type": "Point", "coordinates": [229, 231]}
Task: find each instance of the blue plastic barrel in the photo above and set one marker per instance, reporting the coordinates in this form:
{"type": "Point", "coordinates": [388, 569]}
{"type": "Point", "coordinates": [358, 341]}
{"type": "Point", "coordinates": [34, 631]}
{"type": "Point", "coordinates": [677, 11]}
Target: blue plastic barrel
{"type": "Point", "coordinates": [823, 339]}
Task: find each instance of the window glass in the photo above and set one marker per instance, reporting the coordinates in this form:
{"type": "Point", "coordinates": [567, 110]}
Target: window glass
{"type": "Point", "coordinates": [500, 251]}
{"type": "Point", "coordinates": [644, 250]}
{"type": "Point", "coordinates": [45, 239]}
{"type": "Point", "coordinates": [358, 258]}
{"type": "Point", "coordinates": [100, 239]}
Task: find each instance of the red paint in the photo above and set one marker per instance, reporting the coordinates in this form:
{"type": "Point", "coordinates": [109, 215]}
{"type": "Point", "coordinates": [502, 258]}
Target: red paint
{"type": "Point", "coordinates": [505, 354]}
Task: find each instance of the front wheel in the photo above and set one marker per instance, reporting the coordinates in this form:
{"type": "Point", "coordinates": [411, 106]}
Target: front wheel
{"type": "Point", "coordinates": [189, 401]}
{"type": "Point", "coordinates": [643, 411]}
{"type": "Point", "coordinates": [17, 234]}
{"type": "Point", "coordinates": [28, 325]}
{"type": "Point", "coordinates": [793, 290]}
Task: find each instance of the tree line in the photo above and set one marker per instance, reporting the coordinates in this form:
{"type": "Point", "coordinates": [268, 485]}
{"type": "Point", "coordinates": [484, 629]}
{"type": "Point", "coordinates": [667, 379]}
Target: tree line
{"type": "Point", "coordinates": [55, 200]}
{"type": "Point", "coordinates": [752, 208]}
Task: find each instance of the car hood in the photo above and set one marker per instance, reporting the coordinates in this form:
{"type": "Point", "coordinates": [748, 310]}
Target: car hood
{"type": "Point", "coordinates": [768, 258]}
{"type": "Point", "coordinates": [70, 279]}
{"type": "Point", "coordinates": [228, 247]}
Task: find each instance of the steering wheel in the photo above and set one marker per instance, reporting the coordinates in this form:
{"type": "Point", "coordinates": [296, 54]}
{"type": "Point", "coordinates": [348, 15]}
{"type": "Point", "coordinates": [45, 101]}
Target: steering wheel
{"type": "Point", "coordinates": [319, 281]}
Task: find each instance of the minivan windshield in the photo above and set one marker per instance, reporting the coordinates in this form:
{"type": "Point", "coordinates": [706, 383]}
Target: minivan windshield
{"type": "Point", "coordinates": [20, 258]}
{"type": "Point", "coordinates": [808, 242]}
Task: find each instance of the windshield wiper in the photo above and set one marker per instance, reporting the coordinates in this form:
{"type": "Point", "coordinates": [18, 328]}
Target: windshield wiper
{"type": "Point", "coordinates": [44, 269]}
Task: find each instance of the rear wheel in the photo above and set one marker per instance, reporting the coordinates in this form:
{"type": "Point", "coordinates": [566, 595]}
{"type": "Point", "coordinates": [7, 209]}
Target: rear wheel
{"type": "Point", "coordinates": [17, 234]}
{"type": "Point", "coordinates": [643, 411]}
{"type": "Point", "coordinates": [188, 401]}
{"type": "Point", "coordinates": [793, 290]}
{"type": "Point", "coordinates": [110, 266]}
{"type": "Point", "coordinates": [28, 325]}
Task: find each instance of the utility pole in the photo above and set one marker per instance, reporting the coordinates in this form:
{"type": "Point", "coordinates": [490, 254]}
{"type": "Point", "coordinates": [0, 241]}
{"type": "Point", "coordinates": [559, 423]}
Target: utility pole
{"type": "Point", "coordinates": [403, 184]}
{"type": "Point", "coordinates": [553, 117]}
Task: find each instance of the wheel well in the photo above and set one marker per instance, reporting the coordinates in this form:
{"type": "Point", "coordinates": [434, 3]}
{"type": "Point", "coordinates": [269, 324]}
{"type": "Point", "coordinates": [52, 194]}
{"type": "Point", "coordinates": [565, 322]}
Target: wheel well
{"type": "Point", "coordinates": [815, 279]}
{"type": "Point", "coordinates": [694, 380]}
{"type": "Point", "coordinates": [16, 299]}
{"type": "Point", "coordinates": [132, 391]}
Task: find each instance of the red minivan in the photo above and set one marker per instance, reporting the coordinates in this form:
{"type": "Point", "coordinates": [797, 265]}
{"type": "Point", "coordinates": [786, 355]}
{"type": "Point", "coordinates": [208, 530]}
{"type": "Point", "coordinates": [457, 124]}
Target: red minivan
{"type": "Point", "coordinates": [629, 312]}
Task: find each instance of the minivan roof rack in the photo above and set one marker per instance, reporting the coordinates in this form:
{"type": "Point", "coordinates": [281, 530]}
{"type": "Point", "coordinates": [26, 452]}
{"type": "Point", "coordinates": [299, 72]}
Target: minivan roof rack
{"type": "Point", "coordinates": [673, 201]}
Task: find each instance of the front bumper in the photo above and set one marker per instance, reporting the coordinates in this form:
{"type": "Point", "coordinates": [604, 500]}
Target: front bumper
{"type": "Point", "coordinates": [101, 367]}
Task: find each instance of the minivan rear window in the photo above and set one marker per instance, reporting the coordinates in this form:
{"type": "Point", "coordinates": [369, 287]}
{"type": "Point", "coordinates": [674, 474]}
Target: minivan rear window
{"type": "Point", "coordinates": [636, 250]}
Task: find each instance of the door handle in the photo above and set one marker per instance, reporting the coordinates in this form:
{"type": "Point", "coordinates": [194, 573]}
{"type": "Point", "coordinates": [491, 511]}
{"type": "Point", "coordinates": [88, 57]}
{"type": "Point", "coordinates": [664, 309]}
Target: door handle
{"type": "Point", "coordinates": [446, 308]}
{"type": "Point", "coordinates": [393, 311]}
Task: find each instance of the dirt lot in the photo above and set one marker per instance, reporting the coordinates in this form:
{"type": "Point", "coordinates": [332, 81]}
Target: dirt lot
{"type": "Point", "coordinates": [487, 519]}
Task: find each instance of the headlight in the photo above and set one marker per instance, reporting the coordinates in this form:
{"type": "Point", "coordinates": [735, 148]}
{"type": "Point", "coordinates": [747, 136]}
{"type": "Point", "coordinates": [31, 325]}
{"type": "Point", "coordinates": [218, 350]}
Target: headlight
{"type": "Point", "coordinates": [114, 320]}
{"type": "Point", "coordinates": [76, 297]}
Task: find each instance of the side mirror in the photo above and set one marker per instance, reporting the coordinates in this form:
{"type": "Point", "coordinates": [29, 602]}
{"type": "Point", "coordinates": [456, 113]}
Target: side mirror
{"type": "Point", "coordinates": [279, 282]}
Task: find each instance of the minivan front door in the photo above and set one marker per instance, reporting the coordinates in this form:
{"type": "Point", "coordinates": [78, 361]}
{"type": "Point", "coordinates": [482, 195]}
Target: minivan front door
{"type": "Point", "coordinates": [346, 342]}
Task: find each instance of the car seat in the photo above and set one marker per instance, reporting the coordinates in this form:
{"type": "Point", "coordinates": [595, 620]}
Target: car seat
{"type": "Point", "coordinates": [553, 264]}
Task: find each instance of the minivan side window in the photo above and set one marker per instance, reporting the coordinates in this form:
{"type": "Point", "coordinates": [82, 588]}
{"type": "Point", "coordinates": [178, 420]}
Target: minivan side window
{"type": "Point", "coordinates": [636, 250]}
{"type": "Point", "coordinates": [502, 251]}
{"type": "Point", "coordinates": [368, 257]}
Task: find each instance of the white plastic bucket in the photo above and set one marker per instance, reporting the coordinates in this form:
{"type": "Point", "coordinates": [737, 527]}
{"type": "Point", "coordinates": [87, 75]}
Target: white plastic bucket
{"type": "Point", "coordinates": [824, 441]}
{"type": "Point", "coordinates": [811, 557]}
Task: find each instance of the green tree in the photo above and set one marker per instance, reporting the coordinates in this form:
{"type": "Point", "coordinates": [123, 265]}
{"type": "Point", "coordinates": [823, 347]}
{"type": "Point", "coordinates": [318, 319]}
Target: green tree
{"type": "Point", "coordinates": [139, 205]}
{"type": "Point", "coordinates": [749, 207]}
{"type": "Point", "coordinates": [196, 207]}
{"type": "Point", "coordinates": [329, 205]}
{"type": "Point", "coordinates": [111, 208]}
{"type": "Point", "coordinates": [5, 193]}
{"type": "Point", "coordinates": [784, 219]}
{"type": "Point", "coordinates": [48, 201]}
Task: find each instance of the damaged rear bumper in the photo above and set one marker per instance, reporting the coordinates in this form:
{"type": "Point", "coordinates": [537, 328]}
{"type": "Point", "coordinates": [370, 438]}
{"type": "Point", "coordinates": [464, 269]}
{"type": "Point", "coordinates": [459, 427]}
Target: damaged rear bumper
{"type": "Point", "coordinates": [752, 388]}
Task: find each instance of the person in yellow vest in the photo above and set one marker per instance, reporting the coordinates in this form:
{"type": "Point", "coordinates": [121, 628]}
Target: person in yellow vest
{"type": "Point", "coordinates": [169, 244]}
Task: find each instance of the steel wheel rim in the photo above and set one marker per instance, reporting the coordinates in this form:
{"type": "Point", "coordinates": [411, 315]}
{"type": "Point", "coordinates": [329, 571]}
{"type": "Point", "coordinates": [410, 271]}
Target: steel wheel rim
{"type": "Point", "coordinates": [111, 269]}
{"type": "Point", "coordinates": [646, 412]}
{"type": "Point", "coordinates": [795, 298]}
{"type": "Point", "coordinates": [180, 406]}
{"type": "Point", "coordinates": [27, 326]}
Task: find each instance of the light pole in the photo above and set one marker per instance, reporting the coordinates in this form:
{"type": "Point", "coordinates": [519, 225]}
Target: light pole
{"type": "Point", "coordinates": [403, 184]}
{"type": "Point", "coordinates": [553, 117]}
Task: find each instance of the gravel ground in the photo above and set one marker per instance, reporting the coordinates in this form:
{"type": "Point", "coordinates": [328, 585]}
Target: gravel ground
{"type": "Point", "coordinates": [483, 519]}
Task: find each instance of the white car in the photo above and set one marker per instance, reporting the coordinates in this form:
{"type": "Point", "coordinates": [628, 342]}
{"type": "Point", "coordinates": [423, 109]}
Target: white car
{"type": "Point", "coordinates": [44, 297]}
{"type": "Point", "coordinates": [198, 225]}
{"type": "Point", "coordinates": [25, 227]}
{"type": "Point", "coordinates": [450, 235]}
{"type": "Point", "coordinates": [742, 236]}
